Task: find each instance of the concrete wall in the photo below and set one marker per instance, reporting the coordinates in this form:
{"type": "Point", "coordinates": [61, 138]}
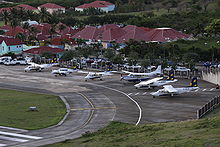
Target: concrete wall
{"type": "Point", "coordinates": [212, 76]}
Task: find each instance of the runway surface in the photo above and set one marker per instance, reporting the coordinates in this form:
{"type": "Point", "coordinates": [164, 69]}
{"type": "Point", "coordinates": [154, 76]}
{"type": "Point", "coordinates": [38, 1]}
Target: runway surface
{"type": "Point", "coordinates": [94, 104]}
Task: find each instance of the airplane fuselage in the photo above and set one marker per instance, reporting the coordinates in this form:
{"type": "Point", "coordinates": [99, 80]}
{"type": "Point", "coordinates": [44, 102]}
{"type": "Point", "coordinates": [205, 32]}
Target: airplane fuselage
{"type": "Point", "coordinates": [163, 92]}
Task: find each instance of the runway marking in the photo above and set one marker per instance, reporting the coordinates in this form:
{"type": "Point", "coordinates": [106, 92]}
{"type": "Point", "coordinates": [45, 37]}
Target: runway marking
{"type": "Point", "coordinates": [130, 94]}
{"type": "Point", "coordinates": [13, 139]}
{"type": "Point", "coordinates": [204, 90]}
{"type": "Point", "coordinates": [144, 93]}
{"type": "Point", "coordinates": [137, 93]}
{"type": "Point", "coordinates": [19, 135]}
{"type": "Point", "coordinates": [1, 145]}
{"type": "Point", "coordinates": [196, 90]}
{"type": "Point", "coordinates": [140, 110]}
{"type": "Point", "coordinates": [92, 112]}
{"type": "Point", "coordinates": [212, 89]}
{"type": "Point", "coordinates": [96, 108]}
{"type": "Point", "coordinates": [15, 129]}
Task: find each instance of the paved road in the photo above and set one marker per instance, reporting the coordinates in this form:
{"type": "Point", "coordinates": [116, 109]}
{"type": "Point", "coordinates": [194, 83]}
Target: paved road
{"type": "Point", "coordinates": [95, 103]}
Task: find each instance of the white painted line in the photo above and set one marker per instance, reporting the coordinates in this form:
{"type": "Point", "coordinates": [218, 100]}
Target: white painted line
{"type": "Point", "coordinates": [144, 93]}
{"type": "Point", "coordinates": [196, 90]}
{"type": "Point", "coordinates": [15, 129]}
{"type": "Point", "coordinates": [212, 89]}
{"type": "Point", "coordinates": [204, 90]}
{"type": "Point", "coordinates": [1, 145]}
{"type": "Point", "coordinates": [130, 94]}
{"type": "Point", "coordinates": [19, 135]}
{"type": "Point", "coordinates": [137, 93]}
{"type": "Point", "coordinates": [12, 139]}
{"type": "Point", "coordinates": [140, 110]}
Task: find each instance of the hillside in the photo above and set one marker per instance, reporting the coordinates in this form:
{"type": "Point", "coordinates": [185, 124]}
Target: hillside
{"type": "Point", "coordinates": [194, 133]}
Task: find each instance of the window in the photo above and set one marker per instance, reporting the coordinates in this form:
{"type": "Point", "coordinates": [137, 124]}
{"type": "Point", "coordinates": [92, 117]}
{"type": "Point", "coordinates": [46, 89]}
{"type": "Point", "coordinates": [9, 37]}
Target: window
{"type": "Point", "coordinates": [9, 48]}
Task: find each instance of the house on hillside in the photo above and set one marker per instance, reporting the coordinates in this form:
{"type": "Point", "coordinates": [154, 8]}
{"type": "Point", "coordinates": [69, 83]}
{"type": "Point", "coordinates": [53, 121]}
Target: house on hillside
{"type": "Point", "coordinates": [102, 5]}
{"type": "Point", "coordinates": [27, 8]}
{"type": "Point", "coordinates": [13, 45]}
{"type": "Point", "coordinates": [51, 8]}
{"type": "Point", "coordinates": [42, 49]}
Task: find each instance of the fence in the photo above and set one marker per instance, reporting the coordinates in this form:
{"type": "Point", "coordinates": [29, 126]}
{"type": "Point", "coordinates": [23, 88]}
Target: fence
{"type": "Point", "coordinates": [208, 107]}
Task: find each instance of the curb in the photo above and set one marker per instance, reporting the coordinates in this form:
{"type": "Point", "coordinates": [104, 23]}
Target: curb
{"type": "Point", "coordinates": [67, 112]}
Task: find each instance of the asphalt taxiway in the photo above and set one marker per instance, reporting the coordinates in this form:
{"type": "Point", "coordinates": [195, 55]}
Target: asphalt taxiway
{"type": "Point", "coordinates": [94, 104]}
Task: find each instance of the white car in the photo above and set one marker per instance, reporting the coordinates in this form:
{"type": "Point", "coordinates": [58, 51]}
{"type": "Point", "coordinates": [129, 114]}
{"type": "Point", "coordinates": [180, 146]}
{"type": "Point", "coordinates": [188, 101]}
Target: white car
{"type": "Point", "coordinates": [4, 59]}
{"type": "Point", "coordinates": [168, 68]}
{"type": "Point", "coordinates": [179, 68]}
{"type": "Point", "coordinates": [10, 62]}
{"type": "Point", "coordinates": [21, 61]}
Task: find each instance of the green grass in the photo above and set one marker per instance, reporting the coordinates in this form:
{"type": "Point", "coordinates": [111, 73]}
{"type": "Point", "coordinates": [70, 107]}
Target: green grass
{"type": "Point", "coordinates": [202, 43]}
{"type": "Point", "coordinates": [195, 133]}
{"type": "Point", "coordinates": [14, 108]}
{"type": "Point", "coordinates": [2, 23]}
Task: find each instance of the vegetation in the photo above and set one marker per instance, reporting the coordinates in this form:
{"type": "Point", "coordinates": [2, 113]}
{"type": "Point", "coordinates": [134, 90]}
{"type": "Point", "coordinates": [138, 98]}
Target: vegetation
{"type": "Point", "coordinates": [204, 132]}
{"type": "Point", "coordinates": [14, 107]}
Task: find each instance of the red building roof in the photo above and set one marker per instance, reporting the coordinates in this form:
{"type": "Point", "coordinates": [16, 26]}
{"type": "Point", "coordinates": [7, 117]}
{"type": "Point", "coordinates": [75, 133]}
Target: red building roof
{"type": "Point", "coordinates": [4, 9]}
{"type": "Point", "coordinates": [43, 49]}
{"type": "Point", "coordinates": [14, 31]}
{"type": "Point", "coordinates": [51, 6]}
{"type": "Point", "coordinates": [26, 7]}
{"type": "Point", "coordinates": [134, 32]}
{"type": "Point", "coordinates": [166, 34]}
{"type": "Point", "coordinates": [95, 4]}
{"type": "Point", "coordinates": [88, 32]}
{"type": "Point", "coordinates": [10, 41]}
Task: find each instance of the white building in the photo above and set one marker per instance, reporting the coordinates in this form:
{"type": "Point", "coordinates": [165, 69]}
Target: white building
{"type": "Point", "coordinates": [51, 8]}
{"type": "Point", "coordinates": [103, 5]}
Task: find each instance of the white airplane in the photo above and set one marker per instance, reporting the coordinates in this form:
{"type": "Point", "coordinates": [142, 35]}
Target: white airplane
{"type": "Point", "coordinates": [134, 77]}
{"type": "Point", "coordinates": [38, 67]}
{"type": "Point", "coordinates": [63, 71]}
{"type": "Point", "coordinates": [169, 90]}
{"type": "Point", "coordinates": [95, 75]}
{"type": "Point", "coordinates": [156, 82]}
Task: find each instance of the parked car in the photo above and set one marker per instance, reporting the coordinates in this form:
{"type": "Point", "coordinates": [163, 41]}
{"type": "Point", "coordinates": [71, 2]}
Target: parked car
{"type": "Point", "coordinates": [180, 68]}
{"type": "Point", "coordinates": [4, 59]}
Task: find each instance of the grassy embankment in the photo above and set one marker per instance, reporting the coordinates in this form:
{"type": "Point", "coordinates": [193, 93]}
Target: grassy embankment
{"type": "Point", "coordinates": [14, 108]}
{"type": "Point", "coordinates": [194, 133]}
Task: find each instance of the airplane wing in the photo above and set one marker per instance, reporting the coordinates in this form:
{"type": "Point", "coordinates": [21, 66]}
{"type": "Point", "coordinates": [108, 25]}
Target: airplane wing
{"type": "Point", "coordinates": [105, 73]}
{"type": "Point", "coordinates": [151, 80]}
{"type": "Point", "coordinates": [127, 72]}
{"type": "Point", "coordinates": [169, 88]}
{"type": "Point", "coordinates": [33, 64]}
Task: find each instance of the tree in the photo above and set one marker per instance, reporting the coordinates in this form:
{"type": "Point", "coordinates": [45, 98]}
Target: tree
{"type": "Point", "coordinates": [20, 36]}
{"type": "Point", "coordinates": [44, 15]}
{"type": "Point", "coordinates": [6, 16]}
{"type": "Point", "coordinates": [213, 27]}
{"type": "Point", "coordinates": [47, 55]}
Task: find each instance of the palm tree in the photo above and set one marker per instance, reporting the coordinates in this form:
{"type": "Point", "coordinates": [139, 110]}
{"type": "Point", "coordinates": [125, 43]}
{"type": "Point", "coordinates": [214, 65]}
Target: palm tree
{"type": "Point", "coordinates": [6, 16]}
{"type": "Point", "coordinates": [44, 15]}
{"type": "Point", "coordinates": [26, 27]}
{"type": "Point", "coordinates": [52, 30]}
{"type": "Point", "coordinates": [21, 36]}
{"type": "Point", "coordinates": [61, 27]}
{"type": "Point", "coordinates": [14, 23]}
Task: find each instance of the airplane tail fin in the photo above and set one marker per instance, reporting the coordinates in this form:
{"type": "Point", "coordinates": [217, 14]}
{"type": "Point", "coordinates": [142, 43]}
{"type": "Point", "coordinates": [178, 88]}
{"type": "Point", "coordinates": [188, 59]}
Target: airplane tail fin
{"type": "Point", "coordinates": [158, 70]}
{"type": "Point", "coordinates": [171, 76]}
{"type": "Point", "coordinates": [194, 82]}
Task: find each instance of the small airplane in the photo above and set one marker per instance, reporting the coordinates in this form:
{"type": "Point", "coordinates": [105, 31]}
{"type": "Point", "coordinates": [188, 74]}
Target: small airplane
{"type": "Point", "coordinates": [38, 67]}
{"type": "Point", "coordinates": [169, 90]}
{"type": "Point", "coordinates": [156, 82]}
{"type": "Point", "coordinates": [95, 75]}
{"type": "Point", "coordinates": [135, 77]}
{"type": "Point", "coordinates": [63, 71]}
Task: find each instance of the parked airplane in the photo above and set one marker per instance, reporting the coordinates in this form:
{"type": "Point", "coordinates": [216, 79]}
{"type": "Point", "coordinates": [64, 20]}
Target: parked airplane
{"type": "Point", "coordinates": [63, 71]}
{"type": "Point", "coordinates": [155, 82]}
{"type": "Point", "coordinates": [169, 90]}
{"type": "Point", "coordinates": [38, 67]}
{"type": "Point", "coordinates": [95, 75]}
{"type": "Point", "coordinates": [134, 77]}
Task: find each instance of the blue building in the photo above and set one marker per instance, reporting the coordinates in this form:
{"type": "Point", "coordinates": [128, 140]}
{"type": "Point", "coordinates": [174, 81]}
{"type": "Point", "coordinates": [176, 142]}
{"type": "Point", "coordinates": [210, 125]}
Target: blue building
{"type": "Point", "coordinates": [13, 45]}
